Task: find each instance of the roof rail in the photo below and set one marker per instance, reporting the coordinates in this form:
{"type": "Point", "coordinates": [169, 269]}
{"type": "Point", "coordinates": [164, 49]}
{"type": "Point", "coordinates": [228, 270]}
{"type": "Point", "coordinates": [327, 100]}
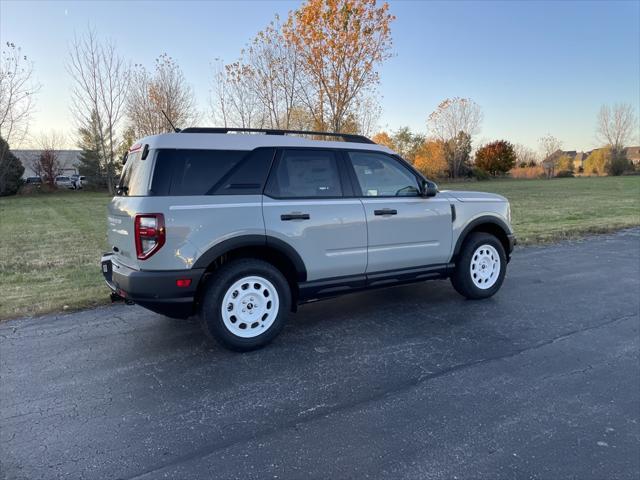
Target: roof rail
{"type": "Point", "coordinates": [347, 137]}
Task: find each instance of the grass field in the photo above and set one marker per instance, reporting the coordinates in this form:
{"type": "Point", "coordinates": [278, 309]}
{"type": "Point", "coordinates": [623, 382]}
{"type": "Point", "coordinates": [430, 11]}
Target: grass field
{"type": "Point", "coordinates": [51, 243]}
{"type": "Point", "coordinates": [49, 254]}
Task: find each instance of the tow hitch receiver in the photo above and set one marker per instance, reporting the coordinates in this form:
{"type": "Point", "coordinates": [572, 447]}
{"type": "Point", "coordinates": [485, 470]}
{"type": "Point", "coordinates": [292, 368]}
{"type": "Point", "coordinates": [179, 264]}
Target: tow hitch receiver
{"type": "Point", "coordinates": [115, 297]}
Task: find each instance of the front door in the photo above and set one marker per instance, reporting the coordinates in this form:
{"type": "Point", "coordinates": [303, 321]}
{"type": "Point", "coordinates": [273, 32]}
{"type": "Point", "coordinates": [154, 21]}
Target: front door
{"type": "Point", "coordinates": [405, 229]}
{"type": "Point", "coordinates": [308, 203]}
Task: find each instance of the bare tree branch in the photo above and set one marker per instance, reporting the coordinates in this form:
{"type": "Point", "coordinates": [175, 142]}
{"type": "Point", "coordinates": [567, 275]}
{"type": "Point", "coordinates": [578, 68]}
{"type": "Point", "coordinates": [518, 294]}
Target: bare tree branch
{"type": "Point", "coordinates": [616, 125]}
{"type": "Point", "coordinates": [17, 93]}
{"type": "Point", "coordinates": [549, 146]}
{"type": "Point", "coordinates": [47, 164]}
{"type": "Point", "coordinates": [525, 155]}
{"type": "Point", "coordinates": [165, 89]}
{"type": "Point", "coordinates": [453, 123]}
{"type": "Point", "coordinates": [455, 115]}
{"type": "Point", "coordinates": [100, 83]}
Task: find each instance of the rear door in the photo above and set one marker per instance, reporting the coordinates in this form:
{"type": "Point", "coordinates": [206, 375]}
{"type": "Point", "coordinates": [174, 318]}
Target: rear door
{"type": "Point", "coordinates": [309, 204]}
{"type": "Point", "coordinates": [405, 229]}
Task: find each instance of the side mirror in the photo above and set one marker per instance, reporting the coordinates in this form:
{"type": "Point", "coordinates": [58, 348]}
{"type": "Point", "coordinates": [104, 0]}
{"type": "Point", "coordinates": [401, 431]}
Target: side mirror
{"type": "Point", "coordinates": [429, 189]}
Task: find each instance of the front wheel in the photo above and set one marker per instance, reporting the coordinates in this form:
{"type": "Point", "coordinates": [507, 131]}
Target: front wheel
{"type": "Point", "coordinates": [481, 266]}
{"type": "Point", "coordinates": [245, 304]}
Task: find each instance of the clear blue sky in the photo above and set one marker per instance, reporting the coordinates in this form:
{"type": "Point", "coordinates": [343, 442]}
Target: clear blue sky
{"type": "Point", "coordinates": [534, 67]}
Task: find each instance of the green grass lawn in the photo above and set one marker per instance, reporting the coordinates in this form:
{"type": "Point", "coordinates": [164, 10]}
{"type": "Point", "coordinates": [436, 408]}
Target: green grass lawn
{"type": "Point", "coordinates": [51, 243]}
{"type": "Point", "coordinates": [50, 252]}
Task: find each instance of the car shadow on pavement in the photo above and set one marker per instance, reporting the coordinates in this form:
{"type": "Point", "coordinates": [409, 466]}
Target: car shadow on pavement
{"type": "Point", "coordinates": [422, 310]}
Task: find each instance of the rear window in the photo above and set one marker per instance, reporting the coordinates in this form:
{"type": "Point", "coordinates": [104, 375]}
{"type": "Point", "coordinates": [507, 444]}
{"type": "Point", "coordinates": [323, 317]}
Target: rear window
{"type": "Point", "coordinates": [211, 172]}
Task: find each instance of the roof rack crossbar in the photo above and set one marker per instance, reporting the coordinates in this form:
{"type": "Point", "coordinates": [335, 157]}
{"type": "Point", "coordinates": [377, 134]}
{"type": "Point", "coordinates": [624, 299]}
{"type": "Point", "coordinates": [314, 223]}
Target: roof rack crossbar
{"type": "Point", "coordinates": [347, 137]}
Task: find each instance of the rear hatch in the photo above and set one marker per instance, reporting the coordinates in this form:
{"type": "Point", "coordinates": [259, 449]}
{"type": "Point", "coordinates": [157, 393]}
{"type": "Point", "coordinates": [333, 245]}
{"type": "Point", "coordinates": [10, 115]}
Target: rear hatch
{"type": "Point", "coordinates": [131, 191]}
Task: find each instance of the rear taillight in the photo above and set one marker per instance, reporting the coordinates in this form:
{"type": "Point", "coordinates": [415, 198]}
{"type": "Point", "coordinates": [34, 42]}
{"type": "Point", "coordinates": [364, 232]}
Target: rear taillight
{"type": "Point", "coordinates": [150, 234]}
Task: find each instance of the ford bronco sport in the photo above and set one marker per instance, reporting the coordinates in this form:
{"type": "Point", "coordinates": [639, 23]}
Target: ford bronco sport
{"type": "Point", "coordinates": [240, 226]}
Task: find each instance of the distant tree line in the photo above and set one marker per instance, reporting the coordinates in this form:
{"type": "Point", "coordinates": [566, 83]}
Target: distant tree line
{"type": "Point", "coordinates": [443, 153]}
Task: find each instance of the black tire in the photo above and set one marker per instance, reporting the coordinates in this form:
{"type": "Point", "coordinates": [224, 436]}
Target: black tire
{"type": "Point", "coordinates": [217, 285]}
{"type": "Point", "coordinates": [462, 279]}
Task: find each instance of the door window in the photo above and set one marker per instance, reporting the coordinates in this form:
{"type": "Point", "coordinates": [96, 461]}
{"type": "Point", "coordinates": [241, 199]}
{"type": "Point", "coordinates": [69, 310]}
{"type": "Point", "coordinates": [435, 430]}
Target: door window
{"type": "Point", "coordinates": [382, 176]}
{"type": "Point", "coordinates": [305, 174]}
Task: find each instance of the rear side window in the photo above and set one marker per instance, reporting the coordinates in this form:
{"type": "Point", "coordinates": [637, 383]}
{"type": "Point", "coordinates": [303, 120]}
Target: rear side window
{"type": "Point", "coordinates": [211, 172]}
{"type": "Point", "coordinates": [305, 174]}
{"type": "Point", "coordinates": [133, 181]}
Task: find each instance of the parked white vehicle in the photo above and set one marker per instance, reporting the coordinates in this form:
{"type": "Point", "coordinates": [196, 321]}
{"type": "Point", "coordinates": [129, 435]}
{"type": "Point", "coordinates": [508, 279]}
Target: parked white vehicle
{"type": "Point", "coordinates": [78, 180]}
{"type": "Point", "coordinates": [63, 181]}
{"type": "Point", "coordinates": [240, 228]}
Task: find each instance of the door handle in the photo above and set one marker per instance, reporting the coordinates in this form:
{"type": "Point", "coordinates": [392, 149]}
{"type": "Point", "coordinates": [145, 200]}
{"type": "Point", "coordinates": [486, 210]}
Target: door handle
{"type": "Point", "coordinates": [386, 211]}
{"type": "Point", "coordinates": [294, 216]}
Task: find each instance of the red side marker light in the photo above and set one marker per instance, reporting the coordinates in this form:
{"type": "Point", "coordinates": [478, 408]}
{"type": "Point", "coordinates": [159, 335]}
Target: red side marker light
{"type": "Point", "coordinates": [183, 282]}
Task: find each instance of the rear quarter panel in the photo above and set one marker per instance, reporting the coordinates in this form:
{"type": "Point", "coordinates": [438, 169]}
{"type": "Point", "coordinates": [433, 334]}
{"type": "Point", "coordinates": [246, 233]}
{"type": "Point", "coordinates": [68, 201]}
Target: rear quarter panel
{"type": "Point", "coordinates": [193, 225]}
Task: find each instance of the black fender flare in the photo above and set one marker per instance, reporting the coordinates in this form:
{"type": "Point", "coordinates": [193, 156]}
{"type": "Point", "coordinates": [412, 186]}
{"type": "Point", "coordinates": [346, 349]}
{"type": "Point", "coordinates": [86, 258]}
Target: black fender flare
{"type": "Point", "coordinates": [483, 220]}
{"type": "Point", "coordinates": [244, 241]}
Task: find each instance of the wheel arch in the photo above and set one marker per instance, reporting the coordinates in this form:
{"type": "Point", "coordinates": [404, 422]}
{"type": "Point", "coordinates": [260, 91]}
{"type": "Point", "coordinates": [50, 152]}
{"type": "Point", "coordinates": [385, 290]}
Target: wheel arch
{"type": "Point", "coordinates": [270, 249]}
{"type": "Point", "coordinates": [487, 224]}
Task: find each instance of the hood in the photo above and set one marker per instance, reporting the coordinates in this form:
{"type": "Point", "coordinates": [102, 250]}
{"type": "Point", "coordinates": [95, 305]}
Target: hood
{"type": "Point", "coordinates": [465, 196]}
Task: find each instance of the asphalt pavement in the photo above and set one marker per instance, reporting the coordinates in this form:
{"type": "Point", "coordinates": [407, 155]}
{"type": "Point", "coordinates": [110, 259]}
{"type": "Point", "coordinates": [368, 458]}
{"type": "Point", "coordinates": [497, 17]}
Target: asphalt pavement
{"type": "Point", "coordinates": [415, 382]}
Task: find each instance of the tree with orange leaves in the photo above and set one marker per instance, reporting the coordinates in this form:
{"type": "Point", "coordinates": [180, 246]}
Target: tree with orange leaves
{"type": "Point", "coordinates": [431, 159]}
{"type": "Point", "coordinates": [403, 141]}
{"type": "Point", "coordinates": [340, 44]}
{"type": "Point", "coordinates": [383, 138]}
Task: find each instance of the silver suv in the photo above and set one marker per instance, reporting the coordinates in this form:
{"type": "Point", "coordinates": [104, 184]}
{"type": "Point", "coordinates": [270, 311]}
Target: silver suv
{"type": "Point", "coordinates": [240, 226]}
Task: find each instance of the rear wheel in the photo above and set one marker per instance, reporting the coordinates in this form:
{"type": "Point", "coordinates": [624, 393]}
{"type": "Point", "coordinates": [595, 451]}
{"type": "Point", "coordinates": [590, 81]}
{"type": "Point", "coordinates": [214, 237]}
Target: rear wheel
{"type": "Point", "coordinates": [481, 266]}
{"type": "Point", "coordinates": [245, 304]}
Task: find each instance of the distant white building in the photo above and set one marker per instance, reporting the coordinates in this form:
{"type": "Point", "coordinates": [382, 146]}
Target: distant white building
{"type": "Point", "coordinates": [69, 161]}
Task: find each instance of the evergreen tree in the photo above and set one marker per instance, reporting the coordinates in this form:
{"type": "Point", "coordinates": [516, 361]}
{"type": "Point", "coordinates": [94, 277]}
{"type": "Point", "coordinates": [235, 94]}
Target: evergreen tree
{"type": "Point", "coordinates": [11, 170]}
{"type": "Point", "coordinates": [92, 164]}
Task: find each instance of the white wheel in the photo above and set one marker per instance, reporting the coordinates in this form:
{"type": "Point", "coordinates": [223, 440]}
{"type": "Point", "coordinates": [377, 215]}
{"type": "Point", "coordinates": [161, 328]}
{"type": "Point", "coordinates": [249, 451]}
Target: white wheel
{"type": "Point", "coordinates": [250, 306]}
{"type": "Point", "coordinates": [485, 267]}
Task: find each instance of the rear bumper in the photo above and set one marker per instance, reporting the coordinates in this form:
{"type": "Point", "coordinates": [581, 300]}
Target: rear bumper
{"type": "Point", "coordinates": [154, 290]}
